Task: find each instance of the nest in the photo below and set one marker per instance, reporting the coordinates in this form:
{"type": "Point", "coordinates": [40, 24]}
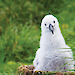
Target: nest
{"type": "Point", "coordinates": [28, 70]}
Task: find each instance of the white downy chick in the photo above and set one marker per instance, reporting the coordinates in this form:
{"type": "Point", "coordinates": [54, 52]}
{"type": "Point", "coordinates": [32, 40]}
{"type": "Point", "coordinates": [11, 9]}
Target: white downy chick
{"type": "Point", "coordinates": [53, 54]}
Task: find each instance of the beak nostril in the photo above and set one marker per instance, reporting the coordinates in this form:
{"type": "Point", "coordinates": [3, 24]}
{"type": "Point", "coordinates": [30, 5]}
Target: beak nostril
{"type": "Point", "coordinates": [52, 26]}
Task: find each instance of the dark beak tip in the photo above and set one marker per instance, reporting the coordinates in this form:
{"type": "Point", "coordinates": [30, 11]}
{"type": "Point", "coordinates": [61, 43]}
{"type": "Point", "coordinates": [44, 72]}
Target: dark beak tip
{"type": "Point", "coordinates": [52, 32]}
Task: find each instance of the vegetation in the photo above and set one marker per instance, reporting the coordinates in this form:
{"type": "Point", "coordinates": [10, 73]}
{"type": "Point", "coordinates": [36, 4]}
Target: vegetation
{"type": "Point", "coordinates": [20, 29]}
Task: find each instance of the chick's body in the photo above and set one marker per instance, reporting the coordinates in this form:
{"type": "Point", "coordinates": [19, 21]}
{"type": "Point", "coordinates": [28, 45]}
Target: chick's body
{"type": "Point", "coordinates": [53, 54]}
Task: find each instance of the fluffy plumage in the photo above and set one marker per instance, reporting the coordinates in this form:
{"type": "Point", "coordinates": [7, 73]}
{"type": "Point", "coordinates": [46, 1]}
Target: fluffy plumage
{"type": "Point", "coordinates": [53, 54]}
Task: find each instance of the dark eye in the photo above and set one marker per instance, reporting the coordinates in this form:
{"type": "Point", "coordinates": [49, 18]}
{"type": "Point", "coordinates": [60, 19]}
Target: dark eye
{"type": "Point", "coordinates": [45, 24]}
{"type": "Point", "coordinates": [53, 21]}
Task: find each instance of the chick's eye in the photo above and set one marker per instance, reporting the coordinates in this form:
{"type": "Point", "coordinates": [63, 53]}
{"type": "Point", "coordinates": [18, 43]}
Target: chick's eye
{"type": "Point", "coordinates": [45, 24]}
{"type": "Point", "coordinates": [53, 21]}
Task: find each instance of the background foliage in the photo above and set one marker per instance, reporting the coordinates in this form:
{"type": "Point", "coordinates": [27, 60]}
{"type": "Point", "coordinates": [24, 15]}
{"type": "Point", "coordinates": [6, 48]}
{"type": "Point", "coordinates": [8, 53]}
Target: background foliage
{"type": "Point", "coordinates": [20, 28]}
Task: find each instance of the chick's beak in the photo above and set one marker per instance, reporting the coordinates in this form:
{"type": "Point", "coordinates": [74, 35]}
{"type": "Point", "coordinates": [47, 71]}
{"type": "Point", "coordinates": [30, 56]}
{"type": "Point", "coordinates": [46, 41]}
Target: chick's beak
{"type": "Point", "coordinates": [51, 28]}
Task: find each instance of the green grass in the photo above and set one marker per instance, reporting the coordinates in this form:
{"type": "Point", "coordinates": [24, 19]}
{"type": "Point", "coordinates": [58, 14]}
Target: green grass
{"type": "Point", "coordinates": [10, 68]}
